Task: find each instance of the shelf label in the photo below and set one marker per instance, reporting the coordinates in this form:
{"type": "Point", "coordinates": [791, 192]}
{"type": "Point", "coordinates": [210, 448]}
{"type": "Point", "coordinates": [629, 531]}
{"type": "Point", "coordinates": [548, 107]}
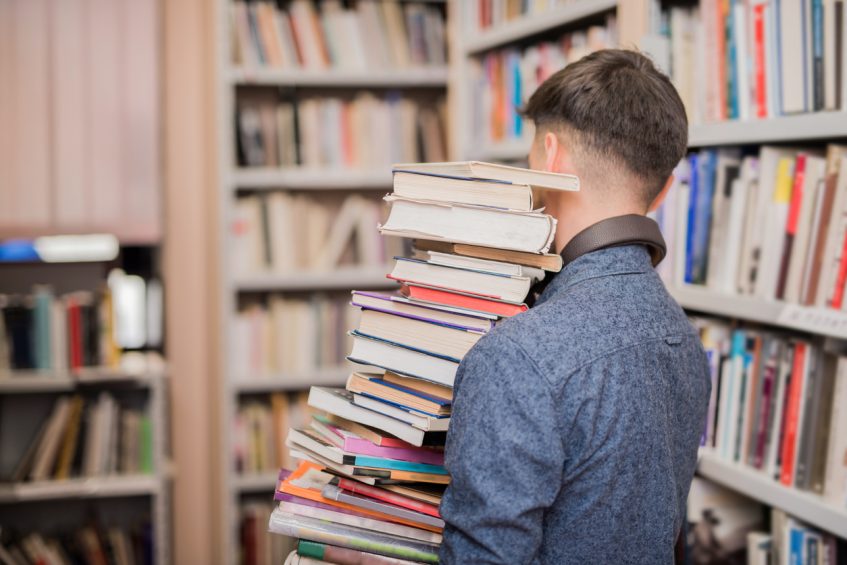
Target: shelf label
{"type": "Point", "coordinates": [817, 320]}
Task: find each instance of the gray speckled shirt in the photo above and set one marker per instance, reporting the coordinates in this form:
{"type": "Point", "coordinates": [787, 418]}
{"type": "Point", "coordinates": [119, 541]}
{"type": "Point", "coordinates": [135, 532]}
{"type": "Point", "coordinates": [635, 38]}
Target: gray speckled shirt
{"type": "Point", "coordinates": [576, 424]}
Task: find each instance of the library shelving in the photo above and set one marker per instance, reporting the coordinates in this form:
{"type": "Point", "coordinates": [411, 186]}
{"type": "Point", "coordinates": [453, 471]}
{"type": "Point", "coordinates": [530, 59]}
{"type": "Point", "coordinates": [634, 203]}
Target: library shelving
{"type": "Point", "coordinates": [634, 20]}
{"type": "Point", "coordinates": [422, 82]}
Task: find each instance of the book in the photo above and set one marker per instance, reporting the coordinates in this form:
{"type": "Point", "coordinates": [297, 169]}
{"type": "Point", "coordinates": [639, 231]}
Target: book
{"type": "Point", "coordinates": [335, 493]}
{"type": "Point", "coordinates": [375, 436]}
{"type": "Point", "coordinates": [493, 171]}
{"type": "Point", "coordinates": [340, 555]}
{"type": "Point", "coordinates": [439, 339]}
{"type": "Point", "coordinates": [487, 227]}
{"type": "Point", "coordinates": [374, 385]}
{"type": "Point", "coordinates": [435, 313]}
{"type": "Point", "coordinates": [429, 295]}
{"type": "Point", "coordinates": [369, 350]}
{"type": "Point", "coordinates": [463, 190]}
{"type": "Point", "coordinates": [387, 496]}
{"type": "Point", "coordinates": [340, 403]}
{"type": "Point", "coordinates": [421, 420]}
{"type": "Point", "coordinates": [548, 262]}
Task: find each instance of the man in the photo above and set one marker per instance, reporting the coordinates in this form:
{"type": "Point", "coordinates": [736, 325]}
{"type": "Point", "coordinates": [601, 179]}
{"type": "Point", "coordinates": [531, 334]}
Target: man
{"type": "Point", "coordinates": [576, 424]}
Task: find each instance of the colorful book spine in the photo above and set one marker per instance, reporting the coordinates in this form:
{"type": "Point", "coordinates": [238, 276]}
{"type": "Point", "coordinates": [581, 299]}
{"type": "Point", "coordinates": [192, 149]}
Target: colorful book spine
{"type": "Point", "coordinates": [388, 496]}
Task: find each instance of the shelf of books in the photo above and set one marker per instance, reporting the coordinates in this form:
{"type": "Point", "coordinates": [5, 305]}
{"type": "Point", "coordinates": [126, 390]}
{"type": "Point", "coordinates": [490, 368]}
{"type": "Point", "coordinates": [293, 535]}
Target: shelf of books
{"type": "Point", "coordinates": [318, 99]}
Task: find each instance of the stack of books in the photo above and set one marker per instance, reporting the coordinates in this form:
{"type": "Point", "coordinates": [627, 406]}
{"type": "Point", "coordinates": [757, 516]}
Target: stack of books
{"type": "Point", "coordinates": [372, 470]}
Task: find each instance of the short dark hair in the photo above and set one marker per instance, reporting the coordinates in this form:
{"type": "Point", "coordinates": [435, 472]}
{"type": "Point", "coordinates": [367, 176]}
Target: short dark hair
{"type": "Point", "coordinates": [619, 107]}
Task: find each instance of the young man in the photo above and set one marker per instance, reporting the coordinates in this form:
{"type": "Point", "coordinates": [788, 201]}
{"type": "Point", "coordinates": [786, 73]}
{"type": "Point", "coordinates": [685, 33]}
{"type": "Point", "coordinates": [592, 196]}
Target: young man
{"type": "Point", "coordinates": [576, 424]}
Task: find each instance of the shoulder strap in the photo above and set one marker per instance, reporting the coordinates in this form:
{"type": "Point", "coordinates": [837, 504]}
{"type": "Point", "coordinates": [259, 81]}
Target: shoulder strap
{"type": "Point", "coordinates": [614, 232]}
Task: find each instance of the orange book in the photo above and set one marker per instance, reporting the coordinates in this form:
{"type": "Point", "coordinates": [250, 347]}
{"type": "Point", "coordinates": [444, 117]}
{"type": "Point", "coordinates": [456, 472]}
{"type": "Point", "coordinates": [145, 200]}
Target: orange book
{"type": "Point", "coordinates": [426, 294]}
{"type": "Point", "coordinates": [287, 486]}
{"type": "Point", "coordinates": [792, 415]}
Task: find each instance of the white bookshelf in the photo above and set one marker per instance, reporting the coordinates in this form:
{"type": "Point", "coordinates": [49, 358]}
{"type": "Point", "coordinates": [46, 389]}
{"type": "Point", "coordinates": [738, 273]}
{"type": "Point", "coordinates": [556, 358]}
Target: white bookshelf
{"type": "Point", "coordinates": [28, 382]}
{"type": "Point", "coordinates": [116, 486]}
{"type": "Point", "coordinates": [520, 29]}
{"type": "Point", "coordinates": [808, 507]}
{"type": "Point", "coordinates": [311, 179]}
{"type": "Point", "coordinates": [798, 128]}
{"type": "Point", "coordinates": [432, 77]}
{"type": "Point", "coordinates": [233, 180]}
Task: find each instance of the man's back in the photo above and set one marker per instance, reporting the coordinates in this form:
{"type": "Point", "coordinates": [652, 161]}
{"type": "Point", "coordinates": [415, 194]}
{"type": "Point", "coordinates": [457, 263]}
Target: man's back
{"type": "Point", "coordinates": [576, 424]}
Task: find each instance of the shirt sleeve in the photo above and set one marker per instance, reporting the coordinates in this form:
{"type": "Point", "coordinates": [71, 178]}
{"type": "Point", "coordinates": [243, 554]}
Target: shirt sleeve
{"type": "Point", "coordinates": [504, 454]}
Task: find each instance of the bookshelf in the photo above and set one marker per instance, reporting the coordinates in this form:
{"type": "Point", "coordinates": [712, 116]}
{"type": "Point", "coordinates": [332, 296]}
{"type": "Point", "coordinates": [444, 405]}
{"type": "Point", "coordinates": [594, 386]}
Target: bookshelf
{"type": "Point", "coordinates": [634, 20]}
{"type": "Point", "coordinates": [422, 82]}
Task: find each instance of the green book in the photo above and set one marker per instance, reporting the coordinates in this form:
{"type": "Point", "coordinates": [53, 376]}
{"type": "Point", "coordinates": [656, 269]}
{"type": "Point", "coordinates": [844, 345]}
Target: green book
{"type": "Point", "coordinates": [41, 327]}
{"type": "Point", "coordinates": [146, 445]}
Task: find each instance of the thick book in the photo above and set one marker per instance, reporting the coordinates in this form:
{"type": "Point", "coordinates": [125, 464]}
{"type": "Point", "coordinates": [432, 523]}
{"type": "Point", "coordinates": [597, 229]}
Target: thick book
{"type": "Point", "coordinates": [387, 496]}
{"type": "Point", "coordinates": [460, 190]}
{"type": "Point", "coordinates": [421, 334]}
{"type": "Point", "coordinates": [547, 261]}
{"type": "Point", "coordinates": [374, 385]}
{"type": "Point", "coordinates": [335, 493]}
{"type": "Point", "coordinates": [478, 264]}
{"type": "Point", "coordinates": [420, 420]}
{"type": "Point", "coordinates": [433, 313]}
{"type": "Point", "coordinates": [484, 284]}
{"type": "Point", "coordinates": [835, 481]}
{"type": "Point", "coordinates": [307, 481]}
{"type": "Point", "coordinates": [402, 359]}
{"type": "Point", "coordinates": [430, 295]}
{"type": "Point", "coordinates": [352, 443]}
{"type": "Point", "coordinates": [492, 171]}
{"type": "Point", "coordinates": [489, 227]}
{"type": "Point", "coordinates": [378, 437]}
{"type": "Point", "coordinates": [326, 553]}
{"type": "Point", "coordinates": [347, 536]}
{"type": "Point", "coordinates": [340, 402]}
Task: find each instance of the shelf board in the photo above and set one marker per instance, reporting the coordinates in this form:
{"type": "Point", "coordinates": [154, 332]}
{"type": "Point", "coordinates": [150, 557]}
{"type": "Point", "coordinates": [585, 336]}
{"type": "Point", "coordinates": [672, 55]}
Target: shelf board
{"type": "Point", "coordinates": [127, 235]}
{"type": "Point", "coordinates": [22, 382]}
{"type": "Point", "coordinates": [302, 178]}
{"type": "Point", "coordinates": [806, 506]}
{"type": "Point", "coordinates": [784, 129]}
{"type": "Point", "coordinates": [511, 150]}
{"type": "Point", "coordinates": [817, 321]}
{"type": "Point", "coordinates": [93, 487]}
{"type": "Point", "coordinates": [255, 482]}
{"type": "Point", "coordinates": [339, 279]}
{"type": "Point", "coordinates": [302, 380]}
{"type": "Point", "coordinates": [392, 78]}
{"type": "Point", "coordinates": [528, 26]}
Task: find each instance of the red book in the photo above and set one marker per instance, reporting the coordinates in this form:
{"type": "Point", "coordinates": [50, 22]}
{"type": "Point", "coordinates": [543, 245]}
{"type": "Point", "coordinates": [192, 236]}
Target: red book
{"type": "Point", "coordinates": [389, 497]}
{"type": "Point", "coordinates": [792, 416]}
{"type": "Point", "coordinates": [791, 225]}
{"type": "Point", "coordinates": [74, 335]}
{"type": "Point", "coordinates": [448, 298]}
{"type": "Point", "coordinates": [838, 293]}
{"type": "Point", "coordinates": [759, 60]}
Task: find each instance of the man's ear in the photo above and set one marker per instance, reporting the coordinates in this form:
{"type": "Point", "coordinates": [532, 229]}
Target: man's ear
{"type": "Point", "coordinates": [661, 196]}
{"type": "Point", "coordinates": [552, 148]}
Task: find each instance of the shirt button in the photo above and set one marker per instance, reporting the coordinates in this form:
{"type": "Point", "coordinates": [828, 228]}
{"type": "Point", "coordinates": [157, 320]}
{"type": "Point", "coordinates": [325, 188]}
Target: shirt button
{"type": "Point", "coordinates": [673, 340]}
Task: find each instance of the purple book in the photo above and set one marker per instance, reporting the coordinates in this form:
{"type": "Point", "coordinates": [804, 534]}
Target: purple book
{"type": "Point", "coordinates": [352, 443]}
{"type": "Point", "coordinates": [764, 414]}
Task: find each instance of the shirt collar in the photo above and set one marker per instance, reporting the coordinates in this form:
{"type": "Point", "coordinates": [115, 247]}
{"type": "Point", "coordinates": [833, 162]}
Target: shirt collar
{"type": "Point", "coordinates": [626, 259]}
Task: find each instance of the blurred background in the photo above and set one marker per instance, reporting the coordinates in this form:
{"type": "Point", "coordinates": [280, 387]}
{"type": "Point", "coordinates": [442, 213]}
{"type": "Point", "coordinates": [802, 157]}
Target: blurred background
{"type": "Point", "coordinates": [189, 189]}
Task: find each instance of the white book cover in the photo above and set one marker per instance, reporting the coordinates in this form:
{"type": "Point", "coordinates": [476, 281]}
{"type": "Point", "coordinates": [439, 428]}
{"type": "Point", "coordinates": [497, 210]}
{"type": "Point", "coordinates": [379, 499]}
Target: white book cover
{"type": "Point", "coordinates": [726, 282]}
{"type": "Point", "coordinates": [834, 239]}
{"type": "Point", "coordinates": [835, 482]}
{"type": "Point", "coordinates": [813, 178]}
{"type": "Point", "coordinates": [791, 50]}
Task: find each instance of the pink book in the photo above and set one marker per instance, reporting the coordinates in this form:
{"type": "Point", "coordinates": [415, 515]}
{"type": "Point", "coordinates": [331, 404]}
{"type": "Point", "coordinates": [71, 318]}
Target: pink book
{"type": "Point", "coordinates": [352, 443]}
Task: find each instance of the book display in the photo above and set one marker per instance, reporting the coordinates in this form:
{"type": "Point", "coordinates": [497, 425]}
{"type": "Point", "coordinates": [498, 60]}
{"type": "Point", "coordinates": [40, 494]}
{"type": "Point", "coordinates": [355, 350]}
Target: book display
{"type": "Point", "coordinates": [317, 99]}
{"type": "Point", "coordinates": [371, 461]}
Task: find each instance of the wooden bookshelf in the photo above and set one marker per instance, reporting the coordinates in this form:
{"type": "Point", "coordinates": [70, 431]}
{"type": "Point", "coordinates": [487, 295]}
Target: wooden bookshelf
{"type": "Point", "coordinates": [311, 179]}
{"type": "Point", "coordinates": [806, 506]}
{"type": "Point", "coordinates": [818, 126]}
{"type": "Point", "coordinates": [523, 28]}
{"type": "Point", "coordinates": [424, 77]}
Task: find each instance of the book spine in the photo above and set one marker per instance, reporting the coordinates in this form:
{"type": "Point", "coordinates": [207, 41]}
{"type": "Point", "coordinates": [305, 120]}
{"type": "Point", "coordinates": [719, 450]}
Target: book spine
{"type": "Point", "coordinates": [817, 55]}
{"type": "Point", "coordinates": [791, 226]}
{"type": "Point", "coordinates": [764, 414]}
{"type": "Point", "coordinates": [759, 57]}
{"type": "Point", "coordinates": [692, 219]}
{"type": "Point", "coordinates": [792, 415]}
{"type": "Point", "coordinates": [841, 278]}
{"type": "Point", "coordinates": [390, 497]}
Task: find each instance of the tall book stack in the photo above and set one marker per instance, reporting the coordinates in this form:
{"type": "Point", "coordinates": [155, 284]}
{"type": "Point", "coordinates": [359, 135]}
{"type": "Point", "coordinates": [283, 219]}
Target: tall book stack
{"type": "Point", "coordinates": [371, 472]}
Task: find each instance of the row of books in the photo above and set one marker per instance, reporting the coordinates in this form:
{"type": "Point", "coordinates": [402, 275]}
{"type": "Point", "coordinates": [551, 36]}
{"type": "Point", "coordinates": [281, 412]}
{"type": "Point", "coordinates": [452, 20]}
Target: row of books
{"type": "Point", "coordinates": [770, 225]}
{"type": "Point", "coordinates": [260, 428]}
{"type": "Point", "coordinates": [365, 131]}
{"type": "Point", "coordinates": [87, 437]}
{"type": "Point", "coordinates": [372, 473]}
{"type": "Point", "coordinates": [332, 34]}
{"type": "Point", "coordinates": [89, 544]}
{"type": "Point", "coordinates": [502, 81]}
{"type": "Point", "coordinates": [282, 232]}
{"type": "Point", "coordinates": [290, 335]}
{"type": "Point", "coordinates": [46, 332]}
{"type": "Point", "coordinates": [750, 59]}
{"type": "Point", "coordinates": [727, 527]}
{"type": "Point", "coordinates": [778, 406]}
{"type": "Point", "coordinates": [257, 545]}
{"type": "Point", "coordinates": [485, 14]}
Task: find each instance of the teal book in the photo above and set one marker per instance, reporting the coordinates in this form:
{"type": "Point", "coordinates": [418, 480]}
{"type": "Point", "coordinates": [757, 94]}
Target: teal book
{"type": "Point", "coordinates": [394, 464]}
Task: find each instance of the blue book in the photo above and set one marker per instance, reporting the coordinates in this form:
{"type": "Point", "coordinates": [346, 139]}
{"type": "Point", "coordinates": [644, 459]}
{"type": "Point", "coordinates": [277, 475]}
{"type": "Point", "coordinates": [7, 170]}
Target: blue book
{"type": "Point", "coordinates": [517, 93]}
{"type": "Point", "coordinates": [707, 164]}
{"type": "Point", "coordinates": [692, 215]}
{"type": "Point", "coordinates": [393, 464]}
{"type": "Point", "coordinates": [731, 63]}
{"type": "Point", "coordinates": [796, 545]}
{"type": "Point", "coordinates": [817, 56]}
